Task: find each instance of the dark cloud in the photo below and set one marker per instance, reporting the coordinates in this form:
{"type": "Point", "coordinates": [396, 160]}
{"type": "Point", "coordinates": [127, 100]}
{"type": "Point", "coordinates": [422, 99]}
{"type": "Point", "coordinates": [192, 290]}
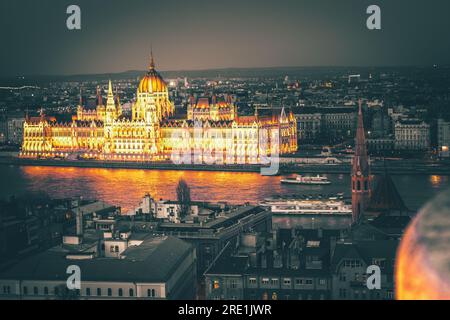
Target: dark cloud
{"type": "Point", "coordinates": [200, 34]}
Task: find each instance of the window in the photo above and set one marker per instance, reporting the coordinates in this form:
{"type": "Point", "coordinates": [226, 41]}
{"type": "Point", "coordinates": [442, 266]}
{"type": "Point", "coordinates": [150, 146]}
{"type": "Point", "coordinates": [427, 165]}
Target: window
{"type": "Point", "coordinates": [88, 291]}
{"type": "Point", "coordinates": [287, 281]}
{"type": "Point", "coordinates": [151, 293]}
{"type": "Point", "coordinates": [36, 290]}
{"type": "Point", "coordinates": [233, 284]}
{"type": "Point", "coordinates": [274, 282]}
{"type": "Point", "coordinates": [45, 290]}
{"type": "Point", "coordinates": [109, 292]}
{"type": "Point", "coordinates": [216, 284]}
{"type": "Point", "coordinates": [322, 282]}
{"type": "Point", "coordinates": [131, 292]}
{"type": "Point", "coordinates": [99, 291]}
{"type": "Point", "coordinates": [56, 291]}
{"type": "Point", "coordinates": [352, 263]}
{"type": "Point", "coordinates": [265, 280]}
{"type": "Point", "coordinates": [252, 280]}
{"type": "Point", "coordinates": [120, 292]}
{"type": "Point", "coordinates": [342, 277]}
{"type": "Point", "coordinates": [342, 293]}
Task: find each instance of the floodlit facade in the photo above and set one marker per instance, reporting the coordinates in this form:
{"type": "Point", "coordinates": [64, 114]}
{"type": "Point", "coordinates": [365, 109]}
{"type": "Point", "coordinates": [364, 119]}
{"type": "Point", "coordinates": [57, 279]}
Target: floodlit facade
{"type": "Point", "coordinates": [212, 132]}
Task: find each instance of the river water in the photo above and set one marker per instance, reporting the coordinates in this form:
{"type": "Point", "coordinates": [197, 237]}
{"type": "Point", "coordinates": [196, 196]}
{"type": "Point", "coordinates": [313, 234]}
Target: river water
{"type": "Point", "coordinates": [126, 187]}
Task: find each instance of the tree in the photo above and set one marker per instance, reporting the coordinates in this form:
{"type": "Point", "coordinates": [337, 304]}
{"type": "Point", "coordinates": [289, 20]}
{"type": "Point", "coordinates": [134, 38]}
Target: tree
{"type": "Point", "coordinates": [184, 197]}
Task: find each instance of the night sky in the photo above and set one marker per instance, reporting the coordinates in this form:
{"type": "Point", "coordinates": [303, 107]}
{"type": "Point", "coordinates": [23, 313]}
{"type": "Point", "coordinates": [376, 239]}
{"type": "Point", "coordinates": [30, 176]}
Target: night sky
{"type": "Point", "coordinates": [201, 34]}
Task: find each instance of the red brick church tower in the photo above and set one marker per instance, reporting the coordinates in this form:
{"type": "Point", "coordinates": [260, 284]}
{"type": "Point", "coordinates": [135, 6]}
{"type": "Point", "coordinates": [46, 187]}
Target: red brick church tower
{"type": "Point", "coordinates": [360, 171]}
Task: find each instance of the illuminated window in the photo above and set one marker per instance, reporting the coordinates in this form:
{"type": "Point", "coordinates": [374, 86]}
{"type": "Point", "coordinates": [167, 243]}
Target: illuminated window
{"type": "Point", "coordinates": [216, 284]}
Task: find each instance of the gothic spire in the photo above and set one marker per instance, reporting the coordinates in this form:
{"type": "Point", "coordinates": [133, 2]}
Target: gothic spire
{"type": "Point", "coordinates": [152, 61]}
{"type": "Point", "coordinates": [110, 90]}
{"type": "Point", "coordinates": [361, 161]}
{"type": "Point", "coordinates": [110, 100]}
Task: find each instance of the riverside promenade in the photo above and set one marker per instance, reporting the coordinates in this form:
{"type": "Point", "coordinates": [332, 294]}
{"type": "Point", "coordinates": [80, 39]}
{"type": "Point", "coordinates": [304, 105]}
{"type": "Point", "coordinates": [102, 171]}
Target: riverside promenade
{"type": "Point", "coordinates": [395, 167]}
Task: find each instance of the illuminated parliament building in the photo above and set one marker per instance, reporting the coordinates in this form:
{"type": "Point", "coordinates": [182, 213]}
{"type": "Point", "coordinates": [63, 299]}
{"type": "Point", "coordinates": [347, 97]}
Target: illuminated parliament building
{"type": "Point", "coordinates": [211, 132]}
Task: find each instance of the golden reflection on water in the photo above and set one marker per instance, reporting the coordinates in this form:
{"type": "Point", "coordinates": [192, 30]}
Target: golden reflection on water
{"type": "Point", "coordinates": [436, 181]}
{"type": "Point", "coordinates": [125, 187]}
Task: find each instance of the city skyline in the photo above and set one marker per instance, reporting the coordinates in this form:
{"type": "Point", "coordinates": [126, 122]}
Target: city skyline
{"type": "Point", "coordinates": [211, 35]}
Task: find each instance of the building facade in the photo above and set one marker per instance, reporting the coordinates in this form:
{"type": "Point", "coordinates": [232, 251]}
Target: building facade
{"type": "Point", "coordinates": [3, 127]}
{"type": "Point", "coordinates": [263, 268]}
{"type": "Point", "coordinates": [329, 124]}
{"type": "Point", "coordinates": [15, 130]}
{"type": "Point", "coordinates": [412, 135]}
{"type": "Point", "coordinates": [443, 137]}
{"type": "Point", "coordinates": [349, 269]}
{"type": "Point", "coordinates": [212, 132]}
{"type": "Point", "coordinates": [161, 268]}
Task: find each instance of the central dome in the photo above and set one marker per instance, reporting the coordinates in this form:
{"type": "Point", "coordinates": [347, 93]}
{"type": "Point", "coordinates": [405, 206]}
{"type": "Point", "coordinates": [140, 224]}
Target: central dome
{"type": "Point", "coordinates": [152, 82]}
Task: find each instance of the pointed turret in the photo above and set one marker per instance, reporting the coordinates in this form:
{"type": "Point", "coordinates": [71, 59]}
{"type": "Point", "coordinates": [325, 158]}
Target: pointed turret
{"type": "Point", "coordinates": [152, 61]}
{"type": "Point", "coordinates": [361, 187]}
{"type": "Point", "coordinates": [110, 90]}
{"type": "Point", "coordinates": [111, 111]}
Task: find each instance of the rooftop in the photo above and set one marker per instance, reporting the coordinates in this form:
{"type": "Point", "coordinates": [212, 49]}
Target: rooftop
{"type": "Point", "coordinates": [153, 261]}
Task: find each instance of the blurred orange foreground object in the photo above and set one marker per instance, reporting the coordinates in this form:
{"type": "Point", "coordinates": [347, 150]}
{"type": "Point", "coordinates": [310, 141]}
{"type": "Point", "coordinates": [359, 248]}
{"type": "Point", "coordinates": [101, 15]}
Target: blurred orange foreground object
{"type": "Point", "coordinates": [423, 259]}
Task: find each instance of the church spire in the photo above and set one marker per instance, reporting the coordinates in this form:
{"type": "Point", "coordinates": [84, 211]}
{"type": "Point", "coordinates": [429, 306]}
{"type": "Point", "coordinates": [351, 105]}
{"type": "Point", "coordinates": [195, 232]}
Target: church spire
{"type": "Point", "coordinates": [362, 161]}
{"type": "Point", "coordinates": [361, 188]}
